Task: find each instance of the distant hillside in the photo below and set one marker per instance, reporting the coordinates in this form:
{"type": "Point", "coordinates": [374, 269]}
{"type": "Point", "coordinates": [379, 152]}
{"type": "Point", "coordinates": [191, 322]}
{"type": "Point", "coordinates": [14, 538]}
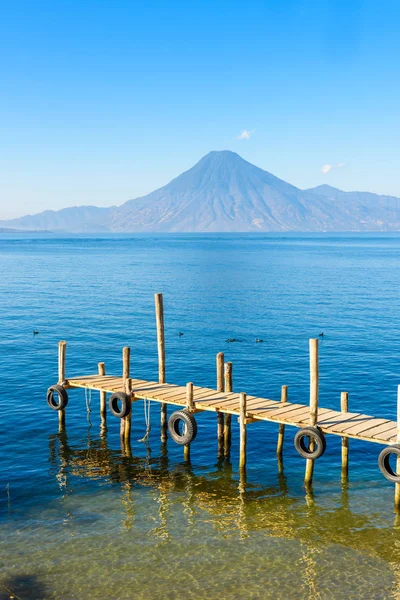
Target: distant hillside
{"type": "Point", "coordinates": [225, 193]}
{"type": "Point", "coordinates": [78, 219]}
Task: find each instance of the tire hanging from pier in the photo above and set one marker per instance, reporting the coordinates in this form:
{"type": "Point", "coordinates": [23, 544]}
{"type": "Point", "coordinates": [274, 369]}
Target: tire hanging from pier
{"type": "Point", "coordinates": [189, 424]}
{"type": "Point", "coordinates": [114, 406]}
{"type": "Point", "coordinates": [316, 436]}
{"type": "Point", "coordinates": [384, 462]}
{"type": "Point", "coordinates": [62, 397]}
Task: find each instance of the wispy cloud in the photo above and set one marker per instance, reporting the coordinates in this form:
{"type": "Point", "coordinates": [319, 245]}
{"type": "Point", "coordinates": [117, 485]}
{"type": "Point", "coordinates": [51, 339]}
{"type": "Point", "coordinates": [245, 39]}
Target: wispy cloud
{"type": "Point", "coordinates": [246, 134]}
{"type": "Point", "coordinates": [325, 169]}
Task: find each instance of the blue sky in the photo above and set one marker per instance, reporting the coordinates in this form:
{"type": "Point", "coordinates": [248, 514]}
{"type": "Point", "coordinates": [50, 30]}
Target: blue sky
{"type": "Point", "coordinates": [105, 100]}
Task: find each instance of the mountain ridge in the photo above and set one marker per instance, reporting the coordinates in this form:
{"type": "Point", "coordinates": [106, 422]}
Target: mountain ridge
{"type": "Point", "coordinates": [223, 192]}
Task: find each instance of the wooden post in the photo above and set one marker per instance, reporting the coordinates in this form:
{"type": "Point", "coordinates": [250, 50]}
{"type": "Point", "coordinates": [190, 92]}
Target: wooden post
{"type": "Point", "coordinates": [397, 485]}
{"type": "Point", "coordinates": [62, 355]}
{"type": "Point", "coordinates": [189, 397]}
{"type": "Point", "coordinates": [281, 434]}
{"type": "Point", "coordinates": [125, 431]}
{"type": "Point", "coordinates": [220, 416]}
{"type": "Point", "coordinates": [344, 407]}
{"type": "Point", "coordinates": [228, 418]}
{"type": "Point", "coordinates": [313, 403]}
{"type": "Point", "coordinates": [158, 298]}
{"type": "Point", "coordinates": [189, 406]}
{"type": "Point", "coordinates": [126, 359]}
{"type": "Point", "coordinates": [103, 395]}
{"type": "Point", "coordinates": [243, 433]}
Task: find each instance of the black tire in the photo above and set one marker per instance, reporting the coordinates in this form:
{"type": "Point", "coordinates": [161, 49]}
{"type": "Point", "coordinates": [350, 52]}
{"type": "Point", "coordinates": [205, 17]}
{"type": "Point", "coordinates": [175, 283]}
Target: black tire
{"type": "Point", "coordinates": [114, 406]}
{"type": "Point", "coordinates": [62, 397]}
{"type": "Point", "coordinates": [316, 436]}
{"type": "Point", "coordinates": [384, 462]}
{"type": "Point", "coordinates": [190, 430]}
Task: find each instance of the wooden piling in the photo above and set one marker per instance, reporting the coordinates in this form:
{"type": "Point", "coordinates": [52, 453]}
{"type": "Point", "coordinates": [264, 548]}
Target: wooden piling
{"type": "Point", "coordinates": [62, 357]}
{"type": "Point", "coordinates": [189, 397]}
{"type": "Point", "coordinates": [189, 406]}
{"type": "Point", "coordinates": [281, 434]}
{"type": "Point", "coordinates": [243, 433]}
{"type": "Point", "coordinates": [397, 485]}
{"type": "Point", "coordinates": [314, 374]}
{"type": "Point", "coordinates": [344, 407]}
{"type": "Point", "coordinates": [220, 416]}
{"type": "Point", "coordinates": [103, 395]}
{"type": "Point", "coordinates": [159, 304]}
{"type": "Point", "coordinates": [228, 387]}
{"type": "Point", "coordinates": [126, 360]}
{"type": "Point", "coordinates": [125, 429]}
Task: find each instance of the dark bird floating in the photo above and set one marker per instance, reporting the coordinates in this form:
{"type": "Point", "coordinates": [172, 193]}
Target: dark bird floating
{"type": "Point", "coordinates": [180, 333]}
{"type": "Point", "coordinates": [321, 334]}
{"type": "Point", "coordinates": [35, 332]}
{"type": "Point", "coordinates": [258, 341]}
{"type": "Point", "coordinates": [231, 340]}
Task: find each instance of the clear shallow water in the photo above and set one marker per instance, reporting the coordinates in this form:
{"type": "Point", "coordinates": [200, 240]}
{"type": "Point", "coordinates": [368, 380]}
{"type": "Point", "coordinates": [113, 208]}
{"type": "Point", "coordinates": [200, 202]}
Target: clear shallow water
{"type": "Point", "coordinates": [81, 519]}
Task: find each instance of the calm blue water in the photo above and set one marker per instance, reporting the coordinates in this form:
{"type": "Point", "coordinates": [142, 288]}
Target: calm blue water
{"type": "Point", "coordinates": [81, 519]}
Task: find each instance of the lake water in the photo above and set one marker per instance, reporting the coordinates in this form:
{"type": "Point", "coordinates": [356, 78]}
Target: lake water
{"type": "Point", "coordinates": [82, 519]}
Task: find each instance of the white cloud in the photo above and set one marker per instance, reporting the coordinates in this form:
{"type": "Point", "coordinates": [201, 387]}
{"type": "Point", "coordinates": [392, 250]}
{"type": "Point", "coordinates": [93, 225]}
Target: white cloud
{"type": "Point", "coordinates": [327, 168]}
{"type": "Point", "coordinates": [246, 134]}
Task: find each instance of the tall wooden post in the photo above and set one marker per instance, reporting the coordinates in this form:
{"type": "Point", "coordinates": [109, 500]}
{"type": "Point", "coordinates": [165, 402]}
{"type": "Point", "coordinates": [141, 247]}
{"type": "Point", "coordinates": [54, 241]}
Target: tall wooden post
{"type": "Point", "coordinates": [126, 359]}
{"type": "Point", "coordinates": [243, 433]}
{"type": "Point", "coordinates": [126, 422]}
{"type": "Point", "coordinates": [103, 395]}
{"type": "Point", "coordinates": [314, 375]}
{"type": "Point", "coordinates": [190, 407]}
{"type": "Point", "coordinates": [344, 407]}
{"type": "Point", "coordinates": [228, 418]}
{"type": "Point", "coordinates": [158, 298]}
{"type": "Point", "coordinates": [281, 434]}
{"type": "Point", "coordinates": [220, 416]}
{"type": "Point", "coordinates": [397, 485]}
{"type": "Point", "coordinates": [62, 357]}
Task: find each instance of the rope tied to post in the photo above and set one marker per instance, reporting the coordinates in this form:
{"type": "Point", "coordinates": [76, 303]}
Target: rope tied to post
{"type": "Point", "coordinates": [88, 401]}
{"type": "Point", "coordinates": [146, 406]}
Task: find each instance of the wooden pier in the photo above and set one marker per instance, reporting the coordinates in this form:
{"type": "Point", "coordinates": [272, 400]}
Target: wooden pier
{"type": "Point", "coordinates": [344, 424]}
{"type": "Point", "coordinates": [313, 422]}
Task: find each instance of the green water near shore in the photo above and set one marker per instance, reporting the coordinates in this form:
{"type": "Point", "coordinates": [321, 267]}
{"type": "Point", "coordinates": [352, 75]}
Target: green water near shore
{"type": "Point", "coordinates": [150, 530]}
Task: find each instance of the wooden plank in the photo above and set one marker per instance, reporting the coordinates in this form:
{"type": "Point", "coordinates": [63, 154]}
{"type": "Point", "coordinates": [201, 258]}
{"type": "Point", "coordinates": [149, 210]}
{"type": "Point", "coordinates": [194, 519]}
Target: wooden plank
{"type": "Point", "coordinates": [280, 410]}
{"type": "Point", "coordinates": [152, 385]}
{"type": "Point", "coordinates": [169, 393]}
{"type": "Point", "coordinates": [262, 403]}
{"type": "Point", "coordinates": [227, 399]}
{"type": "Point", "coordinates": [376, 430]}
{"type": "Point", "coordinates": [382, 429]}
{"type": "Point", "coordinates": [294, 410]}
{"type": "Point", "coordinates": [101, 384]}
{"type": "Point", "coordinates": [329, 422]}
{"type": "Point", "coordinates": [388, 435]}
{"type": "Point", "coordinates": [361, 428]}
{"type": "Point", "coordinates": [298, 417]}
{"type": "Point", "coordinates": [339, 427]}
{"type": "Point", "coordinates": [78, 377]}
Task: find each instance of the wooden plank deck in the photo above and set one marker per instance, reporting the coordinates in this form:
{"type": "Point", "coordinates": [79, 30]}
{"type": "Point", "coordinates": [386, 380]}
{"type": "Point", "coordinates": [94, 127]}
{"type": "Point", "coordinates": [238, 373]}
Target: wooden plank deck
{"type": "Point", "coordinates": [352, 425]}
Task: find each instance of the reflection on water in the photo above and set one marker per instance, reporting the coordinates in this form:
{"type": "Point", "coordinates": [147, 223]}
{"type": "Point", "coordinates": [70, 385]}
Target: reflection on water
{"type": "Point", "coordinates": [82, 518]}
{"type": "Point", "coordinates": [151, 528]}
